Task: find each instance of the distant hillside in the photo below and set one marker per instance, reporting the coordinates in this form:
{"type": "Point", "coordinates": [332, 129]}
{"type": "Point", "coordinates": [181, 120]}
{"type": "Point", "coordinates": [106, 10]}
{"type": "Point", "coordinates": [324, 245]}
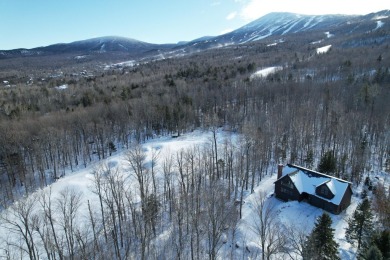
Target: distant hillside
{"type": "Point", "coordinates": [95, 45]}
{"type": "Point", "coordinates": [274, 26]}
{"type": "Point", "coordinates": [285, 24]}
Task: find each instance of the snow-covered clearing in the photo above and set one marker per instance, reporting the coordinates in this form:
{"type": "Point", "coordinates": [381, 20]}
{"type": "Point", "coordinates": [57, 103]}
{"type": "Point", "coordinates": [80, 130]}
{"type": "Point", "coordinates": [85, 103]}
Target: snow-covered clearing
{"type": "Point", "coordinates": [317, 42]}
{"type": "Point", "coordinates": [324, 49]}
{"type": "Point", "coordinates": [379, 24]}
{"type": "Point", "coordinates": [291, 214]}
{"type": "Point", "coordinates": [380, 17]}
{"type": "Point", "coordinates": [80, 57]}
{"type": "Point", "coordinates": [328, 35]}
{"type": "Point", "coordinates": [62, 87]}
{"type": "Point", "coordinates": [275, 43]}
{"type": "Point", "coordinates": [262, 73]}
{"type": "Point", "coordinates": [129, 63]}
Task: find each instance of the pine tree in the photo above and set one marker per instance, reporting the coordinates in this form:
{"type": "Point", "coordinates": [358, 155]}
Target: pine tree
{"type": "Point", "coordinates": [309, 159]}
{"type": "Point", "coordinates": [373, 253]}
{"type": "Point", "coordinates": [381, 239]}
{"type": "Point", "coordinates": [320, 244]}
{"type": "Point", "coordinates": [328, 163]}
{"type": "Point", "coordinates": [360, 226]}
{"type": "Point", "coordinates": [111, 147]}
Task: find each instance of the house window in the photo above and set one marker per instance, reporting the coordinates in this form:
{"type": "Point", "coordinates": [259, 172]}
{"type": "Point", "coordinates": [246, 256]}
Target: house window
{"type": "Point", "coordinates": [288, 184]}
{"type": "Point", "coordinates": [286, 191]}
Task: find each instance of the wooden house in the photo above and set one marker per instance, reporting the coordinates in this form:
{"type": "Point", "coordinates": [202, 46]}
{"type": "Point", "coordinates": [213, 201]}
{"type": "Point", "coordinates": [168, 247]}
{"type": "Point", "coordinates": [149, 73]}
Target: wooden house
{"type": "Point", "coordinates": [323, 191]}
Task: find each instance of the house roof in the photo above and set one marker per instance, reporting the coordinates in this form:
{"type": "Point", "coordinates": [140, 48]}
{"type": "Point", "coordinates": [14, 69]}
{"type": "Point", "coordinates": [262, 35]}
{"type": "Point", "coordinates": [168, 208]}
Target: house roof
{"type": "Point", "coordinates": [306, 180]}
{"type": "Point", "coordinates": [332, 186]}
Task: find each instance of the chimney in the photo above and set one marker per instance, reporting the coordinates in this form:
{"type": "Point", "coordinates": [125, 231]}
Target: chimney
{"type": "Point", "coordinates": [280, 170]}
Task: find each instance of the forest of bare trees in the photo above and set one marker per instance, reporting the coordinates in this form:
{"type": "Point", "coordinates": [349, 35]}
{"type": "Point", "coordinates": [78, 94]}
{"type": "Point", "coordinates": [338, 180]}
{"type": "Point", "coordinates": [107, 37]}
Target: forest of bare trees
{"type": "Point", "coordinates": [181, 209]}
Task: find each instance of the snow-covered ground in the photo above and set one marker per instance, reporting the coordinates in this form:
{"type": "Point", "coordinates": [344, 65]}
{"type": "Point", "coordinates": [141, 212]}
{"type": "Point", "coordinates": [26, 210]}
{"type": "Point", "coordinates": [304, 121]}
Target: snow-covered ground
{"type": "Point", "coordinates": [378, 17]}
{"type": "Point", "coordinates": [294, 214]}
{"type": "Point", "coordinates": [80, 57]}
{"type": "Point", "coordinates": [300, 215]}
{"type": "Point", "coordinates": [328, 35]}
{"type": "Point", "coordinates": [129, 63]}
{"type": "Point", "coordinates": [324, 49]}
{"type": "Point", "coordinates": [317, 42]}
{"type": "Point", "coordinates": [379, 24]}
{"type": "Point", "coordinates": [62, 87]}
{"type": "Point", "coordinates": [275, 43]}
{"type": "Point", "coordinates": [262, 73]}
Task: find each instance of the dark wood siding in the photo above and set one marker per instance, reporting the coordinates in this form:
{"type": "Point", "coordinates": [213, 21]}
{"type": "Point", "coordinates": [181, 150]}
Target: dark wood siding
{"type": "Point", "coordinates": [323, 204]}
{"type": "Point", "coordinates": [346, 200]}
{"type": "Point", "coordinates": [316, 201]}
{"type": "Point", "coordinates": [284, 192]}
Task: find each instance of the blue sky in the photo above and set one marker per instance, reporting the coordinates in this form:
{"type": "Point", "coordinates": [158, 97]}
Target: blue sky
{"type": "Point", "coordinates": [33, 23]}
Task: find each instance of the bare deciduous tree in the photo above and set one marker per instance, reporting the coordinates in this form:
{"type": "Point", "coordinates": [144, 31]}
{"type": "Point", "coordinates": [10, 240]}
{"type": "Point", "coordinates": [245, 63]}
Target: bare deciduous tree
{"type": "Point", "coordinates": [21, 219]}
{"type": "Point", "coordinates": [68, 204]}
{"type": "Point", "coordinates": [45, 201]}
{"type": "Point", "coordinates": [266, 225]}
{"type": "Point", "coordinates": [220, 215]}
{"type": "Point", "coordinates": [296, 238]}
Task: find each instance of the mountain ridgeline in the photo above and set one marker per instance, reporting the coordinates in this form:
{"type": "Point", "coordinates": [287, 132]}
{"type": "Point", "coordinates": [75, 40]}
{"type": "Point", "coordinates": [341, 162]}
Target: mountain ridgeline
{"type": "Point", "coordinates": [270, 25]}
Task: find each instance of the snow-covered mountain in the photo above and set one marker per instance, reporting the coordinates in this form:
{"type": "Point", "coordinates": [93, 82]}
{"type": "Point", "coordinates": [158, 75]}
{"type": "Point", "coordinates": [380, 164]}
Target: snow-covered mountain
{"type": "Point", "coordinates": [286, 24]}
{"type": "Point", "coordinates": [95, 45]}
{"type": "Point", "coordinates": [282, 24]}
{"type": "Point", "coordinates": [271, 25]}
{"type": "Point", "coordinates": [101, 44]}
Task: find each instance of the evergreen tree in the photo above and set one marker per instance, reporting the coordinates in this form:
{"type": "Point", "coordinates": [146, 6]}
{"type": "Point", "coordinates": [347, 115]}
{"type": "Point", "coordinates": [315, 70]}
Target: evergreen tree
{"type": "Point", "coordinates": [373, 253]}
{"type": "Point", "coordinates": [328, 163]}
{"type": "Point", "coordinates": [320, 244]}
{"type": "Point", "coordinates": [360, 225]}
{"type": "Point", "coordinates": [382, 241]}
{"type": "Point", "coordinates": [309, 159]}
{"type": "Point", "coordinates": [111, 147]}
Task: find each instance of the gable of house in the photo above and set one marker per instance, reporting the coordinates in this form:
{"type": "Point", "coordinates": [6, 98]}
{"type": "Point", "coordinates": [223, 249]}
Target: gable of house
{"type": "Point", "coordinates": [285, 189]}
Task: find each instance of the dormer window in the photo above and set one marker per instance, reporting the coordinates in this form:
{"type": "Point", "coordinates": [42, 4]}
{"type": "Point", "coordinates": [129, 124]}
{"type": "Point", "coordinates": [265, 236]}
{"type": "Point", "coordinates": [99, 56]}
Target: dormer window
{"type": "Point", "coordinates": [324, 190]}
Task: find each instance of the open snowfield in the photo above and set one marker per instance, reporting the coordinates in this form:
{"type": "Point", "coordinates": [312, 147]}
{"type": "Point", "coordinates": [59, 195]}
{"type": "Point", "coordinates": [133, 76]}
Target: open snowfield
{"type": "Point", "coordinates": [379, 24]}
{"type": "Point", "coordinates": [324, 49]}
{"type": "Point", "coordinates": [262, 73]}
{"type": "Point", "coordinates": [299, 215]}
